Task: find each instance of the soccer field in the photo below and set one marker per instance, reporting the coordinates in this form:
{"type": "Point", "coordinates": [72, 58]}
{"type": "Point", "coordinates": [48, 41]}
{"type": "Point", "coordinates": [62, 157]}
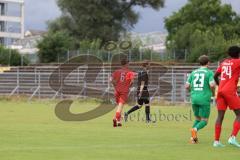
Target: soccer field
{"type": "Point", "coordinates": [31, 131]}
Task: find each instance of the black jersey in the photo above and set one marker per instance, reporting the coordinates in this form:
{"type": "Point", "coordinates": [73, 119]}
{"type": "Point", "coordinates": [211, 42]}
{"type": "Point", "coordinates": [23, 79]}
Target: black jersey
{"type": "Point", "coordinates": [143, 76]}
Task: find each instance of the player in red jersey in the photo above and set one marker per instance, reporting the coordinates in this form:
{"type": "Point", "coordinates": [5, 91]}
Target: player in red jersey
{"type": "Point", "coordinates": [228, 72]}
{"type": "Point", "coordinates": [122, 79]}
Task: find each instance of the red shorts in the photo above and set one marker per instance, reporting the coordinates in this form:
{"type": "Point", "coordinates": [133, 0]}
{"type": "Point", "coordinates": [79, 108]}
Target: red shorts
{"type": "Point", "coordinates": [225, 100]}
{"type": "Point", "coordinates": [121, 97]}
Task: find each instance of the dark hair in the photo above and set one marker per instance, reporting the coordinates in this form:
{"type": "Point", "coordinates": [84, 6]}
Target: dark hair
{"type": "Point", "coordinates": [203, 60]}
{"type": "Point", "coordinates": [234, 51]}
{"type": "Point", "coordinates": [145, 63]}
{"type": "Point", "coordinates": [124, 61]}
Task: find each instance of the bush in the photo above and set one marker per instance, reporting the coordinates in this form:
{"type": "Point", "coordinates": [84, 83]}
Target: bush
{"type": "Point", "coordinates": [11, 56]}
{"type": "Point", "coordinates": [54, 47]}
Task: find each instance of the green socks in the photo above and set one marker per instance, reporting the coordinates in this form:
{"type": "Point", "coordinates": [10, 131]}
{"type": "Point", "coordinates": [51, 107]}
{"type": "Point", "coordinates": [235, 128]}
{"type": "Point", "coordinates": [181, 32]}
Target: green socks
{"type": "Point", "coordinates": [201, 125]}
{"type": "Point", "coordinates": [195, 123]}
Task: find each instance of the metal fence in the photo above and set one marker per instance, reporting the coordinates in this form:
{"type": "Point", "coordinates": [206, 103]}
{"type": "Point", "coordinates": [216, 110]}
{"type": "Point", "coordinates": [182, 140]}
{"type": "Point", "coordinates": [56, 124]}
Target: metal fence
{"type": "Point", "coordinates": [166, 83]}
{"type": "Point", "coordinates": [133, 55]}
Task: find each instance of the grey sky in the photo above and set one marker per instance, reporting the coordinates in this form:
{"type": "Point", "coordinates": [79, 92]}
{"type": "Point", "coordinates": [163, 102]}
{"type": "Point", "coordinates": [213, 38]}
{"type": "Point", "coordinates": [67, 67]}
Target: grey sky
{"type": "Point", "coordinates": [39, 11]}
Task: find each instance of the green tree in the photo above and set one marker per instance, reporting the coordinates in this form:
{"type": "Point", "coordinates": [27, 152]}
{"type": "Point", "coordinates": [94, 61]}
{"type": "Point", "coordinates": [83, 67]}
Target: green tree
{"type": "Point", "coordinates": [54, 47]}
{"type": "Point", "coordinates": [203, 27]}
{"type": "Point", "coordinates": [11, 57]}
{"type": "Point", "coordinates": [99, 19]}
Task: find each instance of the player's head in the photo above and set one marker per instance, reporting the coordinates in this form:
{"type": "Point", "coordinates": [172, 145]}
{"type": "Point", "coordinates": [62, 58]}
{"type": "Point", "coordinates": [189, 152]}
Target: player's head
{"type": "Point", "coordinates": [234, 51]}
{"type": "Point", "coordinates": [204, 60]}
{"type": "Point", "coordinates": [146, 64]}
{"type": "Point", "coordinates": [124, 61]}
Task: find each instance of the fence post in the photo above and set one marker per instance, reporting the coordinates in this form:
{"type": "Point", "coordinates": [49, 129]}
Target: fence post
{"type": "Point", "coordinates": [18, 80]}
{"type": "Point", "coordinates": [174, 90]}
{"type": "Point", "coordinates": [35, 76]}
{"type": "Point", "coordinates": [103, 76]}
{"type": "Point", "coordinates": [140, 49]}
{"type": "Point", "coordinates": [151, 54]}
{"type": "Point", "coordinates": [172, 86]}
{"type": "Point", "coordinates": [185, 93]}
{"type": "Point", "coordinates": [39, 84]}
{"type": "Point", "coordinates": [61, 82]}
{"type": "Point", "coordinates": [78, 77]}
{"type": "Point", "coordinates": [68, 56]}
{"type": "Point", "coordinates": [85, 85]}
{"type": "Point", "coordinates": [108, 56]}
{"type": "Point", "coordinates": [108, 82]}
{"type": "Point", "coordinates": [21, 60]}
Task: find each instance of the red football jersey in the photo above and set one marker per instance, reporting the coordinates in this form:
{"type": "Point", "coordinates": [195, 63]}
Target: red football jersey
{"type": "Point", "coordinates": [123, 78]}
{"type": "Point", "coordinates": [230, 72]}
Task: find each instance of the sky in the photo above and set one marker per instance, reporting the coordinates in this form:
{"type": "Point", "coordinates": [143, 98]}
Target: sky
{"type": "Point", "coordinates": [38, 12]}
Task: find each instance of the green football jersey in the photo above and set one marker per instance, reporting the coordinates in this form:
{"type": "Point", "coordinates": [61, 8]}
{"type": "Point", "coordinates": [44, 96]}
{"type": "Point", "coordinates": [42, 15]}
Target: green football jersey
{"type": "Point", "coordinates": [200, 80]}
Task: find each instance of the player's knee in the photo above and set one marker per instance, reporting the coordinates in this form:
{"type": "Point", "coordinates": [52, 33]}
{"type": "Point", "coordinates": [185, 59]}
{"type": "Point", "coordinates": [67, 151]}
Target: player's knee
{"type": "Point", "coordinates": [220, 119]}
{"type": "Point", "coordinates": [198, 118]}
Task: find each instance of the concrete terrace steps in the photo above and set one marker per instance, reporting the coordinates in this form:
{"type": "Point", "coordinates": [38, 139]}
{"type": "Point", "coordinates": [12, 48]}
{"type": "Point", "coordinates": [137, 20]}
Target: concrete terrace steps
{"type": "Point", "coordinates": [31, 77]}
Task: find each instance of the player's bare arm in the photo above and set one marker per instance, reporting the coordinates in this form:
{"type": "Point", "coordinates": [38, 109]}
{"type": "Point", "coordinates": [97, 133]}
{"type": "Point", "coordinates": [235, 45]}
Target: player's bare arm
{"type": "Point", "coordinates": [141, 88]}
{"type": "Point", "coordinates": [216, 78]}
{"type": "Point", "coordinates": [114, 82]}
{"type": "Point", "coordinates": [212, 86]}
{"type": "Point", "coordinates": [187, 86]}
{"type": "Point", "coordinates": [131, 83]}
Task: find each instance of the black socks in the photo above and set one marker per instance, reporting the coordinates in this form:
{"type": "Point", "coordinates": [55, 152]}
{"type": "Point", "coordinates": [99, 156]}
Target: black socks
{"type": "Point", "coordinates": [133, 109]}
{"type": "Point", "coordinates": [147, 111]}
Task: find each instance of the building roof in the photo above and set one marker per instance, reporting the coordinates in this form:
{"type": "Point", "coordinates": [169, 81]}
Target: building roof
{"type": "Point", "coordinates": [32, 32]}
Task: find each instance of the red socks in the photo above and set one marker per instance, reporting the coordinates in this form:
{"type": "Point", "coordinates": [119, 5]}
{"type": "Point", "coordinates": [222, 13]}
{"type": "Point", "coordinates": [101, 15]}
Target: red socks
{"type": "Point", "coordinates": [218, 129]}
{"type": "Point", "coordinates": [236, 128]}
{"type": "Point", "coordinates": [118, 116]}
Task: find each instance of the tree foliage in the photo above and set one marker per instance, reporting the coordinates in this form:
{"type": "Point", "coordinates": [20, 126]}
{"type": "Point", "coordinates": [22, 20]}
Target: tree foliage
{"type": "Point", "coordinates": [11, 57]}
{"type": "Point", "coordinates": [54, 47]}
{"type": "Point", "coordinates": [99, 19]}
{"type": "Point", "coordinates": [203, 27]}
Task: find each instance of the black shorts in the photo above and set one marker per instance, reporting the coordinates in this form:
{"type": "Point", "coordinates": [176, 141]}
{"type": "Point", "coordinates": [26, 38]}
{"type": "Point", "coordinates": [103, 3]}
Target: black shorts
{"type": "Point", "coordinates": [144, 99]}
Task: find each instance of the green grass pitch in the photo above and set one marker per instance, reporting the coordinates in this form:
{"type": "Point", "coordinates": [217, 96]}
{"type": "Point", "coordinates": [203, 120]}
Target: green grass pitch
{"type": "Point", "coordinates": [31, 131]}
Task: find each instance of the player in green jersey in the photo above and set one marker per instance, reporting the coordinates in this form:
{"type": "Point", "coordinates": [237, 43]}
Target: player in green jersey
{"type": "Point", "coordinates": [201, 84]}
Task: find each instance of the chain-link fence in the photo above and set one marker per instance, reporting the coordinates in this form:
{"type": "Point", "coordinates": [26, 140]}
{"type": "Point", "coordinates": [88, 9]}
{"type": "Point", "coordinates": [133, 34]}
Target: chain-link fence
{"type": "Point", "coordinates": [134, 55]}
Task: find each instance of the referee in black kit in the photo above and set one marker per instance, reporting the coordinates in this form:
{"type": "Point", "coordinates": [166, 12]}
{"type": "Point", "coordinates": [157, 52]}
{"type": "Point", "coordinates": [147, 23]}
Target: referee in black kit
{"type": "Point", "coordinates": [142, 93]}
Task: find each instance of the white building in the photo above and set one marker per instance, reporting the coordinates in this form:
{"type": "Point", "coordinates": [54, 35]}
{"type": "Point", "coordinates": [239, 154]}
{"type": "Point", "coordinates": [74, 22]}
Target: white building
{"type": "Point", "coordinates": [152, 40]}
{"type": "Point", "coordinates": [28, 45]}
{"type": "Point", "coordinates": [11, 24]}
